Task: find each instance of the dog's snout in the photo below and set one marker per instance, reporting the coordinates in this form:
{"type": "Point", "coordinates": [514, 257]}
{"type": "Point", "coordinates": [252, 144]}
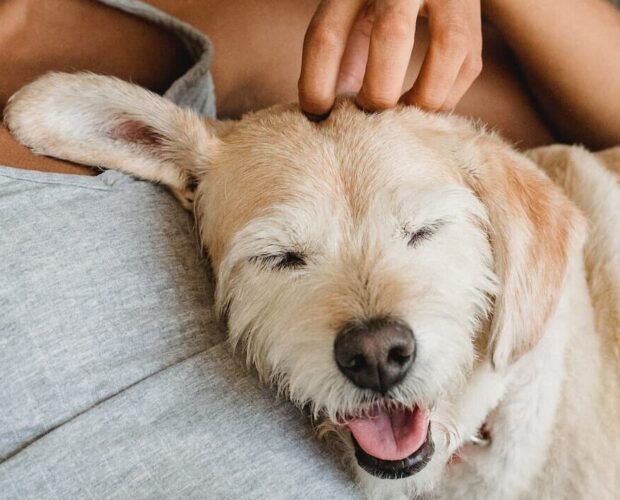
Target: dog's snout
{"type": "Point", "coordinates": [376, 354]}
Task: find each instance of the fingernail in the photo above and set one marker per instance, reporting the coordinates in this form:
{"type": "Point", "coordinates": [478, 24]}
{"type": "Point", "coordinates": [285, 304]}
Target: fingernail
{"type": "Point", "coordinates": [317, 118]}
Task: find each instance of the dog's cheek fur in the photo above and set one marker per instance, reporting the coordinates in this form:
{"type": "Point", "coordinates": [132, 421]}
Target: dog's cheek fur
{"type": "Point", "coordinates": [446, 356]}
{"type": "Point", "coordinates": [274, 320]}
{"type": "Point", "coordinates": [287, 321]}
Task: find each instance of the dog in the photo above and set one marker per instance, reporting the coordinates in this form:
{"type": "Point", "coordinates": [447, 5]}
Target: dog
{"type": "Point", "coordinates": [448, 314]}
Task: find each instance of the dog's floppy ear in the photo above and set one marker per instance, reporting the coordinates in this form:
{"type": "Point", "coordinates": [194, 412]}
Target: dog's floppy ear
{"type": "Point", "coordinates": [535, 231]}
{"type": "Point", "coordinates": [106, 122]}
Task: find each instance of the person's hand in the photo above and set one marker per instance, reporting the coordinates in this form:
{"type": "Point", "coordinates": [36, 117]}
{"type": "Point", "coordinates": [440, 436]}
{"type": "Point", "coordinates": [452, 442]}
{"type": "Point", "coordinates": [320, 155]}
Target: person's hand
{"type": "Point", "coordinates": [364, 47]}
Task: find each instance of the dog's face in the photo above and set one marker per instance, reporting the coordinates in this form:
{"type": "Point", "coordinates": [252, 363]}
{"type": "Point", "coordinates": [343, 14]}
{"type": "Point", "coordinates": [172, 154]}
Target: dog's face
{"type": "Point", "coordinates": [377, 269]}
{"type": "Point", "coordinates": [355, 270]}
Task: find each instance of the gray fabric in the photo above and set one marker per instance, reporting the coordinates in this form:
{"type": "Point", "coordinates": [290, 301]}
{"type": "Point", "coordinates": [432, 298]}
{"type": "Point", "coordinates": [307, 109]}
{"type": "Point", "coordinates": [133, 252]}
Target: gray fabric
{"type": "Point", "coordinates": [115, 380]}
{"type": "Point", "coordinates": [195, 88]}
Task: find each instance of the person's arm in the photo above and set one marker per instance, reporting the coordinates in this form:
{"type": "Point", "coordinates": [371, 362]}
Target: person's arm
{"type": "Point", "coordinates": [73, 35]}
{"type": "Point", "coordinates": [569, 51]}
{"type": "Point", "coordinates": [13, 154]}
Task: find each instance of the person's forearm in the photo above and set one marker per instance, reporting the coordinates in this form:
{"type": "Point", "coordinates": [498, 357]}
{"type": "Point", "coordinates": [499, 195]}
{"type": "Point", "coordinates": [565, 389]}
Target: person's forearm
{"type": "Point", "coordinates": [570, 53]}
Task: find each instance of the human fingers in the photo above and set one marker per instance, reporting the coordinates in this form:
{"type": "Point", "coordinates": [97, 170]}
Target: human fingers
{"type": "Point", "coordinates": [355, 57]}
{"type": "Point", "coordinates": [391, 44]}
{"type": "Point", "coordinates": [324, 44]}
{"type": "Point", "coordinates": [472, 65]}
{"type": "Point", "coordinates": [453, 59]}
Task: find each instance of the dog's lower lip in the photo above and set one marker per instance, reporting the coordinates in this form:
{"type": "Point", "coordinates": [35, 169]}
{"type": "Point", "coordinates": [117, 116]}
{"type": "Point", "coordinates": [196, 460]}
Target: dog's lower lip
{"type": "Point", "coordinates": [396, 469]}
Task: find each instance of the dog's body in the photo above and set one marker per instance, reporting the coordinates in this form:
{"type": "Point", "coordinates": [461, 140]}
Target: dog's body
{"type": "Point", "coordinates": [401, 227]}
{"type": "Point", "coordinates": [556, 427]}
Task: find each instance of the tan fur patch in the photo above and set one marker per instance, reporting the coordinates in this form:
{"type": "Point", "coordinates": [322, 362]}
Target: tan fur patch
{"type": "Point", "coordinates": [534, 229]}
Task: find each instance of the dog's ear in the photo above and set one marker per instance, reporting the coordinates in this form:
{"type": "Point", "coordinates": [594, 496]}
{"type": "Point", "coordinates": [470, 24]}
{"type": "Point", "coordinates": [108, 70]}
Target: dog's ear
{"type": "Point", "coordinates": [106, 122]}
{"type": "Point", "coordinates": [534, 231]}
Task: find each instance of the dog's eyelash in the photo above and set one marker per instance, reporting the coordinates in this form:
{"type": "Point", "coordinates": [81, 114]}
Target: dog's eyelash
{"type": "Point", "coordinates": [424, 233]}
{"type": "Point", "coordinates": [285, 260]}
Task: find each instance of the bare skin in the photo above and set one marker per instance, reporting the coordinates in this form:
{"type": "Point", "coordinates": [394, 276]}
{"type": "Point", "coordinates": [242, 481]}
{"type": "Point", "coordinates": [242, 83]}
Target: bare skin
{"type": "Point", "coordinates": [570, 53]}
{"type": "Point", "coordinates": [258, 54]}
{"type": "Point", "coordinates": [268, 74]}
{"type": "Point", "coordinates": [70, 35]}
{"type": "Point", "coordinates": [363, 46]}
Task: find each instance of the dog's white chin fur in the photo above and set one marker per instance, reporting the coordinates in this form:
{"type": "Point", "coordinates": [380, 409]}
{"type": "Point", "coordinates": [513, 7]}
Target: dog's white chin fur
{"type": "Point", "coordinates": [311, 227]}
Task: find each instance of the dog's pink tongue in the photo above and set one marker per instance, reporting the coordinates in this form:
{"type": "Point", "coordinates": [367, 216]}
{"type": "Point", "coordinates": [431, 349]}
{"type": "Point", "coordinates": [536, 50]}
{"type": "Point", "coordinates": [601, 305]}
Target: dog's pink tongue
{"type": "Point", "coordinates": [392, 435]}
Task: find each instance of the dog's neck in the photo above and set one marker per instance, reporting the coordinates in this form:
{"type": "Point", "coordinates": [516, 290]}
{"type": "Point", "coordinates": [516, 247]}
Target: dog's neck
{"type": "Point", "coordinates": [518, 408]}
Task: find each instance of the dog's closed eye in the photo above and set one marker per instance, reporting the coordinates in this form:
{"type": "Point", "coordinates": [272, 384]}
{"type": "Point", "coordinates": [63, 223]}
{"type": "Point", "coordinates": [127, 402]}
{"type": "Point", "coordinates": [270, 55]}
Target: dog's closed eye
{"type": "Point", "coordinates": [415, 238]}
{"type": "Point", "coordinates": [283, 260]}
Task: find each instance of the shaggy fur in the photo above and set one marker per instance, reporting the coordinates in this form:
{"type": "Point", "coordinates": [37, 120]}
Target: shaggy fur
{"type": "Point", "coordinates": [517, 324]}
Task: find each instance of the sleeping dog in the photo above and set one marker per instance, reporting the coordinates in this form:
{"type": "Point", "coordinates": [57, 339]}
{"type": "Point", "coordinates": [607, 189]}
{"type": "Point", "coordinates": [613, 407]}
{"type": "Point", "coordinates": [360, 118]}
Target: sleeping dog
{"type": "Point", "coordinates": [446, 312]}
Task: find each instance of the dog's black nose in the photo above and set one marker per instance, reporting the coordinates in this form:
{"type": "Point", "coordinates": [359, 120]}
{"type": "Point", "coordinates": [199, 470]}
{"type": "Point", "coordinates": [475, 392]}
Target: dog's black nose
{"type": "Point", "coordinates": [376, 354]}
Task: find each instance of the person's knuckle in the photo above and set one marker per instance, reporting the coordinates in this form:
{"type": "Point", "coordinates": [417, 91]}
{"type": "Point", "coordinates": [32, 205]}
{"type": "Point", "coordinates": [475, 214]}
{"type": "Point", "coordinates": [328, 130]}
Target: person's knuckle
{"type": "Point", "coordinates": [325, 36]}
{"type": "Point", "coordinates": [397, 29]}
{"type": "Point", "coordinates": [394, 29]}
{"type": "Point", "coordinates": [453, 37]}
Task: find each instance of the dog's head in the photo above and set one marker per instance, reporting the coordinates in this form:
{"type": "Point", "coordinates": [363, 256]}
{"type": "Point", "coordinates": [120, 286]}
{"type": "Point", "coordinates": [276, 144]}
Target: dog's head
{"type": "Point", "coordinates": [369, 266]}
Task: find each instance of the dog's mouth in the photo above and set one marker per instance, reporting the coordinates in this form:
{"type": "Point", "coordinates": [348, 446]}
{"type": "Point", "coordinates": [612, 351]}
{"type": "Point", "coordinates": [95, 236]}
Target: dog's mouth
{"type": "Point", "coordinates": [392, 443]}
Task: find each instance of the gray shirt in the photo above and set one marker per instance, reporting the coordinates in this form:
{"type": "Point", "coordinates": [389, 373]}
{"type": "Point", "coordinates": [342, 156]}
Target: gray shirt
{"type": "Point", "coordinates": [115, 380]}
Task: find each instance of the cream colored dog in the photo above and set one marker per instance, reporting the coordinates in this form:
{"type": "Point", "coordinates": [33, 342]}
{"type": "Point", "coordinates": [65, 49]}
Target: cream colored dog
{"type": "Point", "coordinates": [417, 284]}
